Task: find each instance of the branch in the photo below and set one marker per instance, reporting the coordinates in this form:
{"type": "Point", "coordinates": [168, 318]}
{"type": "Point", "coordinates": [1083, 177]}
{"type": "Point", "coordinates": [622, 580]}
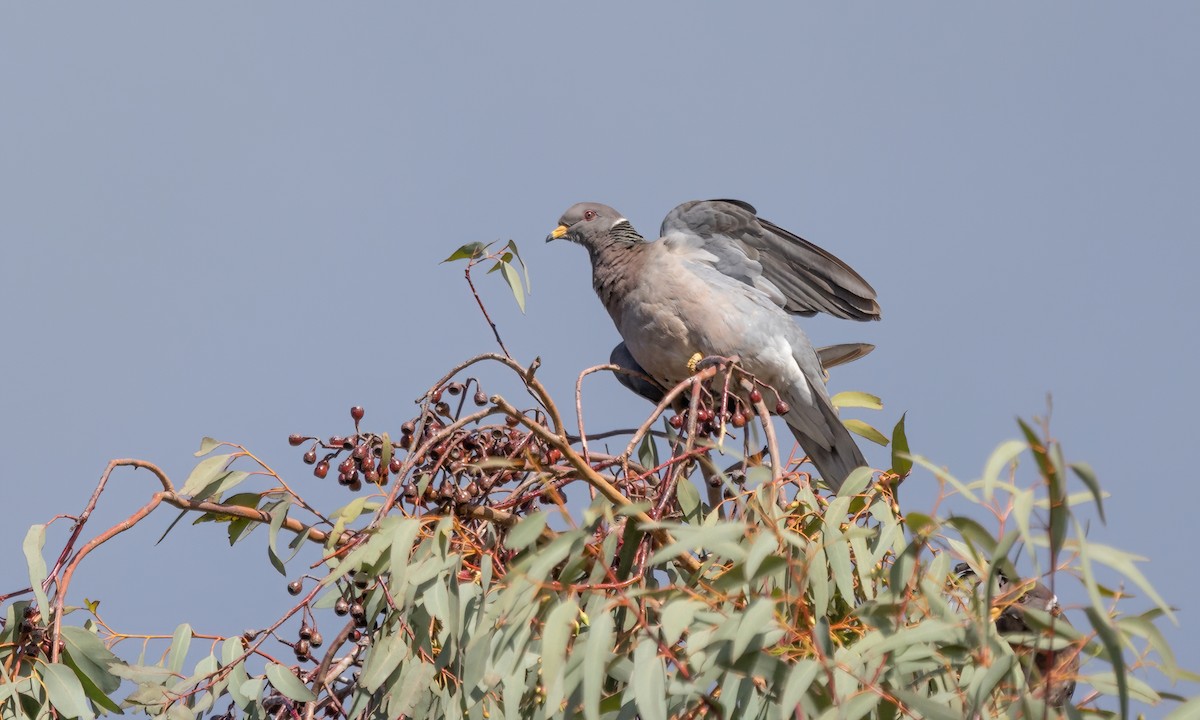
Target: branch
{"type": "Point", "coordinates": [607, 489]}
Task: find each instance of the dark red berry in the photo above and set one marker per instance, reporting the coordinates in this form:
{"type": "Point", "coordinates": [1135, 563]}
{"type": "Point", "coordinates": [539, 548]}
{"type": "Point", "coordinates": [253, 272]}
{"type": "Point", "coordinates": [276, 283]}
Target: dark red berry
{"type": "Point", "coordinates": [676, 421]}
{"type": "Point", "coordinates": [303, 647]}
{"type": "Point", "coordinates": [310, 457]}
{"type": "Point", "coordinates": [341, 607]}
{"type": "Point", "coordinates": [295, 440]}
{"type": "Point", "coordinates": [480, 398]}
{"type": "Point", "coordinates": [394, 466]}
{"type": "Point", "coordinates": [738, 419]}
{"type": "Point", "coordinates": [357, 412]}
{"type": "Point", "coordinates": [305, 632]}
{"type": "Point", "coordinates": [436, 397]}
{"type": "Point", "coordinates": [408, 428]}
{"type": "Point", "coordinates": [781, 408]}
{"type": "Point", "coordinates": [755, 396]}
{"type": "Point", "coordinates": [322, 469]}
{"type": "Point", "coordinates": [315, 639]}
{"type": "Point", "coordinates": [295, 587]}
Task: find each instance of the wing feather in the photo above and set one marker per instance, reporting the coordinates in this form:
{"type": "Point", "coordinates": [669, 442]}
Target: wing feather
{"type": "Point", "coordinates": [801, 277]}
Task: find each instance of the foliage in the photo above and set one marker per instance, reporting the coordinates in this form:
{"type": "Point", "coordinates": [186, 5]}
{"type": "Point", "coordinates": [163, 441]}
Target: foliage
{"type": "Point", "coordinates": [492, 564]}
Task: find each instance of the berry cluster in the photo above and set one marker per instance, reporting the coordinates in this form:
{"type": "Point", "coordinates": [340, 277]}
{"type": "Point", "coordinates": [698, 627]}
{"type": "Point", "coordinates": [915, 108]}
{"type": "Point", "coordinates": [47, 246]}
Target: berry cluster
{"type": "Point", "coordinates": [709, 420]}
{"type": "Point", "coordinates": [442, 466]}
{"type": "Point", "coordinates": [364, 456]}
{"type": "Point", "coordinates": [33, 637]}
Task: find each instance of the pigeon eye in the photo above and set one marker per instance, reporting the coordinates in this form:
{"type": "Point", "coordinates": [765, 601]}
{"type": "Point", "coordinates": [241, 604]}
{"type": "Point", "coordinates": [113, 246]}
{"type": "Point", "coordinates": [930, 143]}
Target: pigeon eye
{"type": "Point", "coordinates": [589, 214]}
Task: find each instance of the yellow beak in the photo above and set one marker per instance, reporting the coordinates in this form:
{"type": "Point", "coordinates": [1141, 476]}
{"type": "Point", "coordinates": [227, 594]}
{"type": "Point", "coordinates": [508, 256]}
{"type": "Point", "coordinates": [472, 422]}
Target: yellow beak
{"type": "Point", "coordinates": [558, 232]}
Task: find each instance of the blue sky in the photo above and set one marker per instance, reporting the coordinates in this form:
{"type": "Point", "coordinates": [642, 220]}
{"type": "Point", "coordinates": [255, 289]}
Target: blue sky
{"type": "Point", "coordinates": [227, 219]}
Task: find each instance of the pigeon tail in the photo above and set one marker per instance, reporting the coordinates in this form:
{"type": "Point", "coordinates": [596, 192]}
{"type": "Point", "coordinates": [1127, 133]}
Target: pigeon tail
{"type": "Point", "coordinates": [834, 460]}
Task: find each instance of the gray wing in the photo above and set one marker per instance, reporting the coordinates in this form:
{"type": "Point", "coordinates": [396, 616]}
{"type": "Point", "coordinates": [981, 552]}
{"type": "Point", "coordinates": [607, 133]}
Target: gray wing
{"type": "Point", "coordinates": [803, 278]}
{"type": "Point", "coordinates": [641, 384]}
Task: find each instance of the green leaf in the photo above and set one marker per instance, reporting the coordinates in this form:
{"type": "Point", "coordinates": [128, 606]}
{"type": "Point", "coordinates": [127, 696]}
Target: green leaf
{"type": "Point", "coordinates": [386, 655]}
{"type": "Point", "coordinates": [1059, 513]}
{"type": "Point", "coordinates": [278, 512]}
{"type": "Point", "coordinates": [596, 654]}
{"type": "Point", "coordinates": [285, 682]}
{"type": "Point", "coordinates": [649, 681]}
{"type": "Point", "coordinates": [180, 642]}
{"type": "Point", "coordinates": [527, 531]}
{"type": "Point", "coordinates": [205, 472]}
{"type": "Point", "coordinates": [837, 550]}
{"type": "Point", "coordinates": [648, 452]}
{"type": "Point", "coordinates": [415, 683]}
{"type": "Point", "coordinates": [755, 620]}
{"type": "Point", "coordinates": [180, 516]}
{"type": "Point", "coordinates": [677, 616]}
{"type": "Point", "coordinates": [207, 445]}
{"type": "Point", "coordinates": [1001, 458]}
{"type": "Point", "coordinates": [179, 711]}
{"type": "Point", "coordinates": [512, 245]}
{"type": "Point", "coordinates": [901, 462]}
{"type": "Point", "coordinates": [857, 481]}
{"type": "Point", "coordinates": [556, 636]}
{"type": "Point", "coordinates": [943, 475]}
{"type": "Point", "coordinates": [689, 501]}
{"type": "Point", "coordinates": [1085, 473]}
{"type": "Point", "coordinates": [798, 681]}
{"type": "Point", "coordinates": [32, 547]}
{"type": "Point", "coordinates": [514, 283]}
{"type": "Point", "coordinates": [1123, 563]}
{"type": "Point", "coordinates": [764, 545]}
{"type": "Point", "coordinates": [974, 533]}
{"type": "Point", "coordinates": [1189, 710]}
{"type": "Point", "coordinates": [1112, 645]}
{"type": "Point", "coordinates": [920, 523]}
{"type": "Point", "coordinates": [854, 399]}
{"type": "Point", "coordinates": [470, 250]}
{"type": "Point", "coordinates": [860, 428]}
{"type": "Point", "coordinates": [65, 692]}
{"type": "Point", "coordinates": [87, 656]}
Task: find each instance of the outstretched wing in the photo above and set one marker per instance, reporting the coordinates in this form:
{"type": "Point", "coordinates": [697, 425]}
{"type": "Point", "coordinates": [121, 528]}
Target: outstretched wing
{"type": "Point", "coordinates": [803, 278]}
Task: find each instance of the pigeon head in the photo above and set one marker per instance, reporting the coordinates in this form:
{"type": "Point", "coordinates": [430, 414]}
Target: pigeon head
{"type": "Point", "coordinates": [586, 223]}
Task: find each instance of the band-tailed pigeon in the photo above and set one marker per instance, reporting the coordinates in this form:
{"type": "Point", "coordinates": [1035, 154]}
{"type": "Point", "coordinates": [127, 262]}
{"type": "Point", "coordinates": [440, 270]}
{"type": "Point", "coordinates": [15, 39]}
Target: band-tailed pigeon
{"type": "Point", "coordinates": [1057, 669]}
{"type": "Point", "coordinates": [721, 282]}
